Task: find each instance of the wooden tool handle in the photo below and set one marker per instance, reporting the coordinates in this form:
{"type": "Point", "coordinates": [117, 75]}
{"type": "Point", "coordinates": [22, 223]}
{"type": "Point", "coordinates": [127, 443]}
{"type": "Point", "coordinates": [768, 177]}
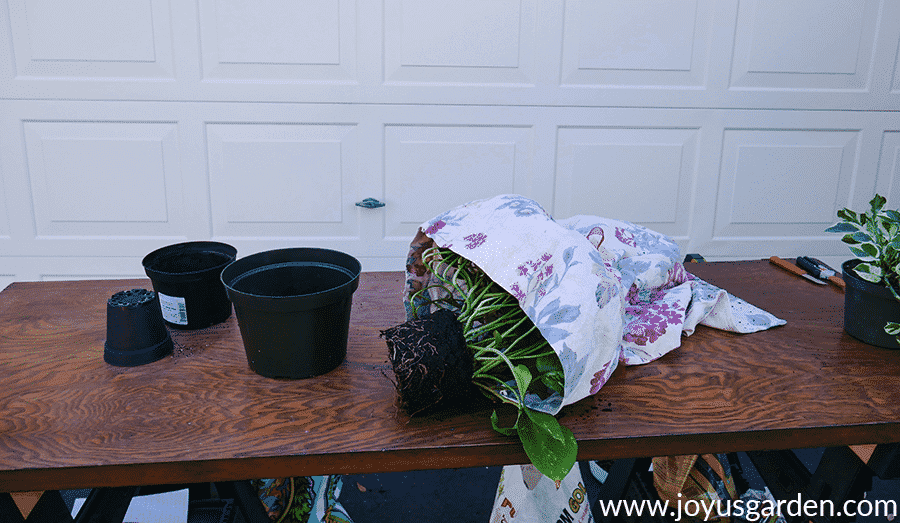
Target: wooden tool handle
{"type": "Point", "coordinates": [837, 280]}
{"type": "Point", "coordinates": [786, 265]}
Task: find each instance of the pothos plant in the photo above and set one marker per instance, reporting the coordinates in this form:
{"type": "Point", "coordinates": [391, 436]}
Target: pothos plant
{"type": "Point", "coordinates": [874, 237]}
{"type": "Point", "coordinates": [480, 337]}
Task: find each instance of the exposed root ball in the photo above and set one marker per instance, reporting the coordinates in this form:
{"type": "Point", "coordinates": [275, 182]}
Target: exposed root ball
{"type": "Point", "coordinates": [430, 360]}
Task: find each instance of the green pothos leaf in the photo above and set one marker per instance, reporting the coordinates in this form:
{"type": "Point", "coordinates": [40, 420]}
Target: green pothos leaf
{"type": "Point", "coordinates": [551, 372]}
{"type": "Point", "coordinates": [869, 272]}
{"type": "Point", "coordinates": [550, 446]}
{"type": "Point", "coordinates": [842, 227]}
{"type": "Point", "coordinates": [861, 254]}
{"type": "Point", "coordinates": [877, 203]}
{"type": "Point", "coordinates": [523, 380]}
{"type": "Point", "coordinates": [848, 215]}
{"type": "Point", "coordinates": [893, 215]}
{"type": "Point", "coordinates": [892, 328]}
{"type": "Point", "coordinates": [858, 237]}
{"type": "Point", "coordinates": [554, 380]}
{"type": "Point", "coordinates": [506, 431]}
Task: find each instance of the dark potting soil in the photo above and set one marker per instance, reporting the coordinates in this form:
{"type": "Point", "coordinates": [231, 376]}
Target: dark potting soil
{"type": "Point", "coordinates": [131, 298]}
{"type": "Point", "coordinates": [431, 362]}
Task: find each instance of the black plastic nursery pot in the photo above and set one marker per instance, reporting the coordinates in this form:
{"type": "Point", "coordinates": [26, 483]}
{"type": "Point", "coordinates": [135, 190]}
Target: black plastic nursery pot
{"type": "Point", "coordinates": [293, 309]}
{"type": "Point", "coordinates": [186, 276]}
{"type": "Point", "coordinates": [135, 332]}
{"type": "Point", "coordinates": [868, 308]}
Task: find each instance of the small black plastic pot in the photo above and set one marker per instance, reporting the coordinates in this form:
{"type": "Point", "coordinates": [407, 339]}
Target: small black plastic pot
{"type": "Point", "coordinates": [868, 307]}
{"type": "Point", "coordinates": [293, 309]}
{"type": "Point", "coordinates": [135, 332]}
{"type": "Point", "coordinates": [186, 277]}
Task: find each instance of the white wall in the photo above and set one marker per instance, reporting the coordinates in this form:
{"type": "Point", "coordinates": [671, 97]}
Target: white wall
{"type": "Point", "coordinates": [737, 127]}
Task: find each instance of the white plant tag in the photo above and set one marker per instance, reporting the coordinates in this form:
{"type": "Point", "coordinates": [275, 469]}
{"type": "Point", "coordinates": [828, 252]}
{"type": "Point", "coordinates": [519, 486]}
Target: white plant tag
{"type": "Point", "coordinates": [173, 309]}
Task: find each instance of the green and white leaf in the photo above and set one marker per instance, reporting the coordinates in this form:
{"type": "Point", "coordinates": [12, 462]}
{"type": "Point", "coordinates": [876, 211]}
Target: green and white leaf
{"type": "Point", "coordinates": [848, 216]}
{"type": "Point", "coordinates": [859, 237]}
{"type": "Point", "coordinates": [842, 227]}
{"type": "Point", "coordinates": [859, 253]}
{"type": "Point", "coordinates": [869, 272]}
{"type": "Point", "coordinates": [871, 249]}
{"type": "Point", "coordinates": [877, 203]}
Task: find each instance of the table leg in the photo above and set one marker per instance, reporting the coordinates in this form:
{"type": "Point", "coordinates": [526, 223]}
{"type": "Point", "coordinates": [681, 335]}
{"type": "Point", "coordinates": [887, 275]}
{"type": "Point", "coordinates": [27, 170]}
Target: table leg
{"type": "Point", "coordinates": [885, 461]}
{"type": "Point", "coordinates": [50, 507]}
{"type": "Point", "coordinates": [105, 505]}
{"type": "Point", "coordinates": [840, 476]}
{"type": "Point", "coordinates": [9, 511]}
{"type": "Point", "coordinates": [246, 499]}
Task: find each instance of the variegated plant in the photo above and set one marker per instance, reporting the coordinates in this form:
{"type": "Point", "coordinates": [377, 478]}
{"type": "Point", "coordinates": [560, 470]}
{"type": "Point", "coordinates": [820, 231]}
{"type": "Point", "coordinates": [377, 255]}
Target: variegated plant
{"type": "Point", "coordinates": [874, 238]}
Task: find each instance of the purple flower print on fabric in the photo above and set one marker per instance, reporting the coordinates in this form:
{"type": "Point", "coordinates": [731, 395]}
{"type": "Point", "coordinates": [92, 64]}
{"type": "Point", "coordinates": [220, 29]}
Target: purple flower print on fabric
{"type": "Point", "coordinates": [535, 265]}
{"type": "Point", "coordinates": [435, 227]}
{"type": "Point", "coordinates": [596, 236]}
{"type": "Point", "coordinates": [600, 377]}
{"type": "Point", "coordinates": [626, 237]}
{"type": "Point", "coordinates": [650, 317]}
{"type": "Point", "coordinates": [475, 240]}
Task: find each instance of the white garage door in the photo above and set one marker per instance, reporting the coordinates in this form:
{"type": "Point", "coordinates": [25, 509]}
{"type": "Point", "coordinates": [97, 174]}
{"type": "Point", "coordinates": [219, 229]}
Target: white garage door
{"type": "Point", "coordinates": [737, 127]}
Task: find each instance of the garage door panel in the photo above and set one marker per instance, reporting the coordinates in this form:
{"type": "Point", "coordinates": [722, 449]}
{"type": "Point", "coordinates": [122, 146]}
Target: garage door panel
{"type": "Point", "coordinates": [783, 182]}
{"type": "Point", "coordinates": [431, 169]}
{"type": "Point", "coordinates": [282, 179]}
{"type": "Point", "coordinates": [294, 42]}
{"type": "Point", "coordinates": [888, 183]}
{"type": "Point", "coordinates": [642, 175]}
{"type": "Point", "coordinates": [622, 43]}
{"type": "Point", "coordinates": [92, 39]}
{"type": "Point", "coordinates": [471, 42]}
{"type": "Point", "coordinates": [104, 178]}
{"type": "Point", "coordinates": [801, 46]}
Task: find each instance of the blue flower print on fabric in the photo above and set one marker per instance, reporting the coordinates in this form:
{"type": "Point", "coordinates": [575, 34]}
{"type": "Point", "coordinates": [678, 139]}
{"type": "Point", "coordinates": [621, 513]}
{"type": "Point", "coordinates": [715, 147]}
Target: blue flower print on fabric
{"type": "Point", "coordinates": [522, 206]}
{"type": "Point", "coordinates": [551, 315]}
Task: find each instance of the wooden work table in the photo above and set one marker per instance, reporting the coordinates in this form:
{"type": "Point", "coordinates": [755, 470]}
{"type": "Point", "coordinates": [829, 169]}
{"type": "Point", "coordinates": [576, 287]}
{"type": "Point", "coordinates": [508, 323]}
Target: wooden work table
{"type": "Point", "coordinates": [69, 420]}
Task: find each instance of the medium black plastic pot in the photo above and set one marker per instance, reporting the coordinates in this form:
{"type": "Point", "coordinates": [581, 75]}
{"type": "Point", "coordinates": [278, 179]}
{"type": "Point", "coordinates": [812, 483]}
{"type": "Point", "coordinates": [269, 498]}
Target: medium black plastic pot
{"type": "Point", "coordinates": [868, 308]}
{"type": "Point", "coordinates": [186, 278]}
{"type": "Point", "coordinates": [293, 309]}
{"type": "Point", "coordinates": [135, 332]}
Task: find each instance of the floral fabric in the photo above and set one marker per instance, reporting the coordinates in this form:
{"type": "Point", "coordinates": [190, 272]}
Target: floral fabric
{"type": "Point", "coordinates": [302, 499]}
{"type": "Point", "coordinates": [600, 291]}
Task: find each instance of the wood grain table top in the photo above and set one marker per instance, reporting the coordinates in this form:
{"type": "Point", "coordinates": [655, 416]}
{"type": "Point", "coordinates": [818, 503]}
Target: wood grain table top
{"type": "Point", "coordinates": [69, 420]}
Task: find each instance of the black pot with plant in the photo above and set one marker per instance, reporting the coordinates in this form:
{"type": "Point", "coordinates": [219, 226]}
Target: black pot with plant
{"type": "Point", "coordinates": [871, 297]}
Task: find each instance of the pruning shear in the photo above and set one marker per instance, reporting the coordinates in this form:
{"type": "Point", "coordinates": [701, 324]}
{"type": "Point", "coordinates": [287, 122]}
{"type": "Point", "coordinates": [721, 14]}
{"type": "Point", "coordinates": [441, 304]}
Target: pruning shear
{"type": "Point", "coordinates": [820, 270]}
{"type": "Point", "coordinates": [812, 269]}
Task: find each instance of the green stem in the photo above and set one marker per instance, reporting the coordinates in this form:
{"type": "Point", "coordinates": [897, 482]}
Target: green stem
{"type": "Point", "coordinates": [496, 329]}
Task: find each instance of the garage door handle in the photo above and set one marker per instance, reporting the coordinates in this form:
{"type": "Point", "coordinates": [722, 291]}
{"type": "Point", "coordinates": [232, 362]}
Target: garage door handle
{"type": "Point", "coordinates": [370, 203]}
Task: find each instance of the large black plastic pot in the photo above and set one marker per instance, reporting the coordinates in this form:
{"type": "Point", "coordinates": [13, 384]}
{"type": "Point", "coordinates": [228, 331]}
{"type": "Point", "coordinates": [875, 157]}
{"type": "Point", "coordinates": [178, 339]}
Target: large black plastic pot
{"type": "Point", "coordinates": [293, 309]}
{"type": "Point", "coordinates": [186, 278]}
{"type": "Point", "coordinates": [868, 308]}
